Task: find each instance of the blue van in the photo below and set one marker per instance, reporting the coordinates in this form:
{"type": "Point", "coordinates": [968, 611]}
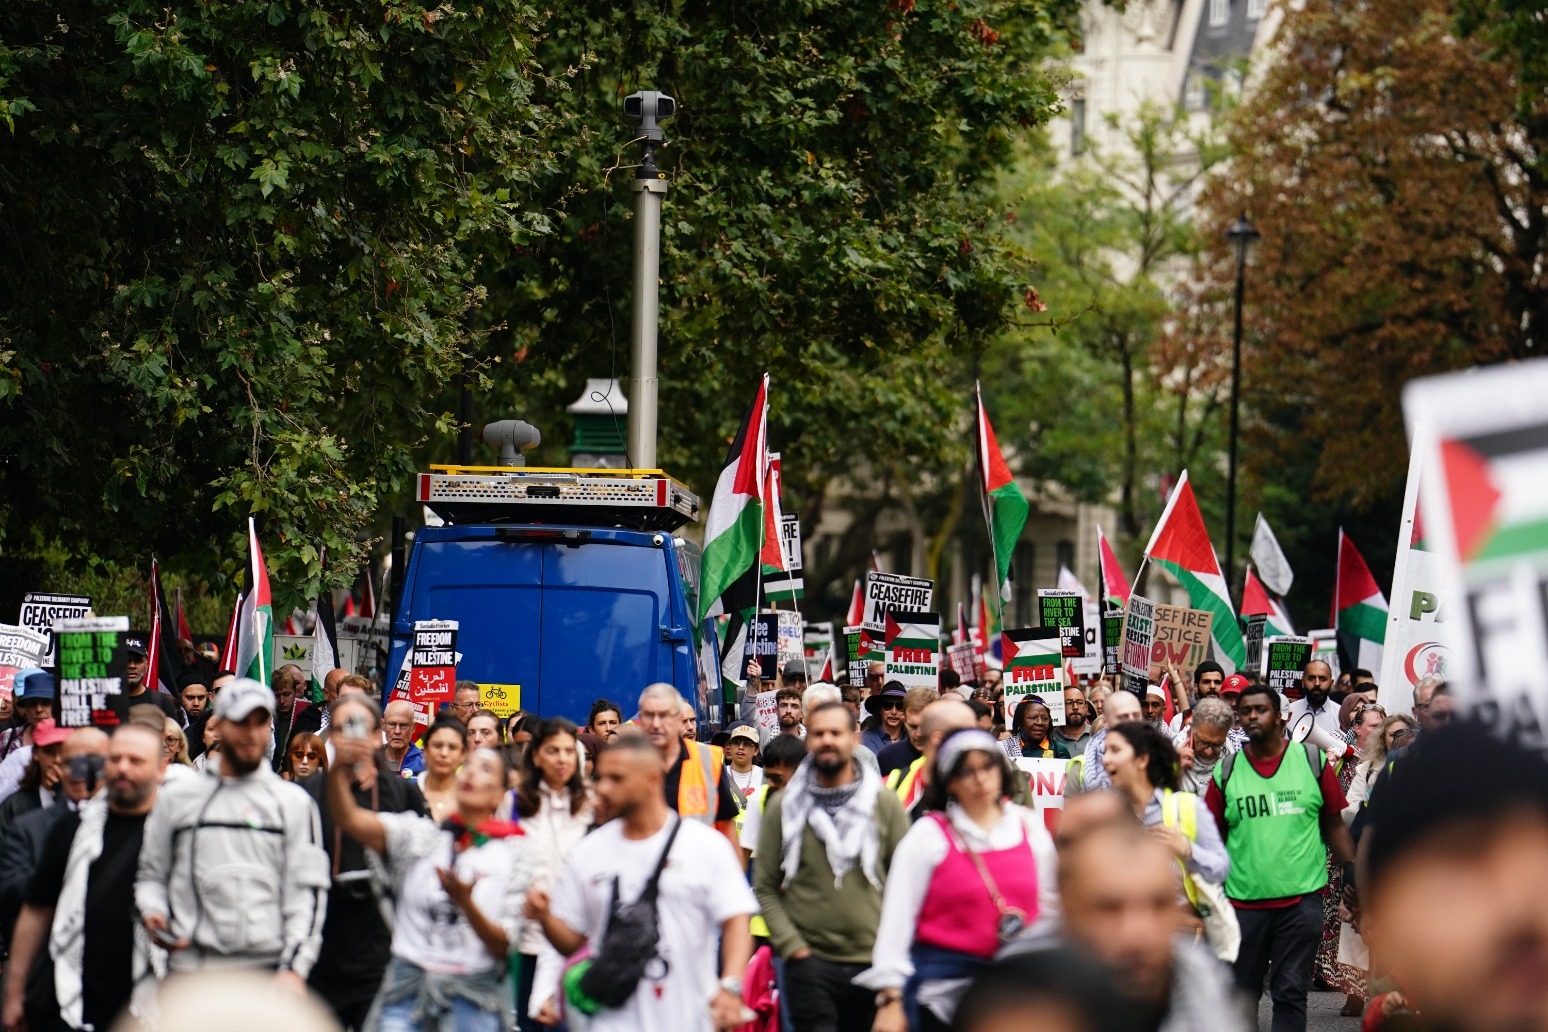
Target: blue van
{"type": "Point", "coordinates": [567, 585]}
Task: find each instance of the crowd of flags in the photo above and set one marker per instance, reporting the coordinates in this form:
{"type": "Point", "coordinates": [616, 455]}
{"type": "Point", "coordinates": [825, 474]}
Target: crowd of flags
{"type": "Point", "coordinates": [741, 546]}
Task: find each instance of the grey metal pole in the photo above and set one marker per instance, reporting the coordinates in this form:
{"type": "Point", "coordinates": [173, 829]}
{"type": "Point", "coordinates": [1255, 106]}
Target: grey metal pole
{"type": "Point", "coordinates": [647, 110]}
{"type": "Point", "coordinates": [643, 382]}
{"type": "Point", "coordinates": [1236, 395]}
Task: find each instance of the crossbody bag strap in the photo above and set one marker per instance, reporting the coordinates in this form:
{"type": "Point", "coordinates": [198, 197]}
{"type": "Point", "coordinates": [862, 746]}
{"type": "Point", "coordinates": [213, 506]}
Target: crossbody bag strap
{"type": "Point", "coordinates": [978, 862]}
{"type": "Point", "coordinates": [649, 895]}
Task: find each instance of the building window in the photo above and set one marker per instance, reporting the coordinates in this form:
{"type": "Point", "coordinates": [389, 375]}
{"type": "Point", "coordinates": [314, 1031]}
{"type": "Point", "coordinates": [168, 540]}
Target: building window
{"type": "Point", "coordinates": [1193, 93]}
{"type": "Point", "coordinates": [1257, 8]}
{"type": "Point", "coordinates": [1078, 126]}
{"type": "Point", "coordinates": [1064, 554]}
{"type": "Point", "coordinates": [1219, 12]}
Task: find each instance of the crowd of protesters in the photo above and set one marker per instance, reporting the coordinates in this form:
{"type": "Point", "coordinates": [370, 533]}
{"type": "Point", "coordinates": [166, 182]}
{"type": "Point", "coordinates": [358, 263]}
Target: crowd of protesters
{"type": "Point", "coordinates": [876, 858]}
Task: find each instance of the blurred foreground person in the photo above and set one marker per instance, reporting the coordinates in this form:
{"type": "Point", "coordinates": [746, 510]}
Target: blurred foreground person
{"type": "Point", "coordinates": [231, 1001]}
{"type": "Point", "coordinates": [1118, 893]}
{"type": "Point", "coordinates": [1052, 990]}
{"type": "Point", "coordinates": [1450, 901]}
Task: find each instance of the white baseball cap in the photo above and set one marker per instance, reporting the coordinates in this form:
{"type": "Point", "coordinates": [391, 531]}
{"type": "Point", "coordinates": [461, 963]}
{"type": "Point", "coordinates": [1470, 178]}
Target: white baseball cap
{"type": "Point", "coordinates": [239, 698]}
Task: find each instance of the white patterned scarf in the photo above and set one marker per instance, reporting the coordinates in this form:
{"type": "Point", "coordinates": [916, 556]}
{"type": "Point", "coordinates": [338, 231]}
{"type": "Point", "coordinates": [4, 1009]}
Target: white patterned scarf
{"type": "Point", "coordinates": [67, 940]}
{"type": "Point", "coordinates": [842, 818]}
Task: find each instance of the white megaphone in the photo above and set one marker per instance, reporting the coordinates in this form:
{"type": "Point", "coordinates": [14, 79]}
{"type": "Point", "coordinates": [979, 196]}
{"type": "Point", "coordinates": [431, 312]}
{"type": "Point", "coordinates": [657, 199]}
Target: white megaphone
{"type": "Point", "coordinates": [1306, 729]}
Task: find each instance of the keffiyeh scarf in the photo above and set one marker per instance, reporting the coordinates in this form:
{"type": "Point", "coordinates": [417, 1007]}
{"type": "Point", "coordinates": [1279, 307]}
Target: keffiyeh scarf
{"type": "Point", "coordinates": [843, 819]}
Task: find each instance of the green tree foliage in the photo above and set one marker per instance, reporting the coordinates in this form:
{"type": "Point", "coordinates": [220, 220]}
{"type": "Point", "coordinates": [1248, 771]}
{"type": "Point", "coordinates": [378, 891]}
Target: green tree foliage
{"type": "Point", "coordinates": [243, 239]}
{"type": "Point", "coordinates": [260, 240]}
{"type": "Point", "coordinates": [1100, 396]}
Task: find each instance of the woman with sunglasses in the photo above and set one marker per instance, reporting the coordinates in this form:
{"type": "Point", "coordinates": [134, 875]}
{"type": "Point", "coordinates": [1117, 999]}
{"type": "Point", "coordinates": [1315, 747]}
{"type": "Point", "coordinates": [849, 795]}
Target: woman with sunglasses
{"type": "Point", "coordinates": [1390, 733]}
{"type": "Point", "coordinates": [976, 872]}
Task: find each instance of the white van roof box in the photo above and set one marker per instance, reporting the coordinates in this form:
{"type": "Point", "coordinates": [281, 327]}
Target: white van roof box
{"type": "Point", "coordinates": [634, 499]}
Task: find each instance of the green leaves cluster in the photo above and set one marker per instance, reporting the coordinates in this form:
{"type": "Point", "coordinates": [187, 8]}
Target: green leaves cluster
{"type": "Point", "coordinates": [246, 242]}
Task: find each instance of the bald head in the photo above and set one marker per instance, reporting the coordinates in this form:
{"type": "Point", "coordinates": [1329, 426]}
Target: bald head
{"type": "Point", "coordinates": [85, 741]}
{"type": "Point", "coordinates": [1122, 707]}
{"type": "Point", "coordinates": [331, 682]}
{"type": "Point", "coordinates": [1089, 811]}
{"type": "Point", "coordinates": [942, 717]}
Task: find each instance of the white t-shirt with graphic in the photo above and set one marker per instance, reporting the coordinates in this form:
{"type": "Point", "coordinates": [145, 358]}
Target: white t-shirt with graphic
{"type": "Point", "coordinates": [701, 886]}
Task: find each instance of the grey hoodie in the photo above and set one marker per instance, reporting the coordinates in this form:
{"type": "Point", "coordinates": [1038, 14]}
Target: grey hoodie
{"type": "Point", "coordinates": [237, 866]}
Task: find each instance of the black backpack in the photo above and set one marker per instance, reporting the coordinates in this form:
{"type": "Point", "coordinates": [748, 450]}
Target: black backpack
{"type": "Point", "coordinates": [629, 942]}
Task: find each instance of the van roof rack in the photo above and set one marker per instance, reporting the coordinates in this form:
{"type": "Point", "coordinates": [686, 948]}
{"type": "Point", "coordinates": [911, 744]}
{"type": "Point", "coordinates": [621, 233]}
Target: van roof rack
{"type": "Point", "coordinates": [633, 499]}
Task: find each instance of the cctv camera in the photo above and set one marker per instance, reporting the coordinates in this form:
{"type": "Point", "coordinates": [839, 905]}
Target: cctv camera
{"type": "Point", "coordinates": [648, 109]}
{"type": "Point", "coordinates": [512, 437]}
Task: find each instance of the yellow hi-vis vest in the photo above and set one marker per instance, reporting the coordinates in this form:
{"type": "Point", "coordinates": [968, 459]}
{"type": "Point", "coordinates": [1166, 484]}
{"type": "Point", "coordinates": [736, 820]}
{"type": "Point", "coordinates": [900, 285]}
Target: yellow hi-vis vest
{"type": "Point", "coordinates": [1174, 814]}
{"type": "Point", "coordinates": [698, 790]}
{"type": "Point", "coordinates": [760, 799]}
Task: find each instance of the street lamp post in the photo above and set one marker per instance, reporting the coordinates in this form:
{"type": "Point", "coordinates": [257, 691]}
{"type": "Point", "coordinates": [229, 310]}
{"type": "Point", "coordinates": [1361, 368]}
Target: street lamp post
{"type": "Point", "coordinates": [1243, 235]}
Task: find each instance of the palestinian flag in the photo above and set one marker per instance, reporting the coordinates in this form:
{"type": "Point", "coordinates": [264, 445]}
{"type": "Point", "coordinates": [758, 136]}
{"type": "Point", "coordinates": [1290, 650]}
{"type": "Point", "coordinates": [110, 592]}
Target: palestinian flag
{"type": "Point", "coordinates": [163, 659]}
{"type": "Point", "coordinates": [1005, 507]}
{"type": "Point", "coordinates": [856, 607]}
{"type": "Point", "coordinates": [1180, 545]}
{"type": "Point", "coordinates": [184, 632]}
{"type": "Point", "coordinates": [1114, 586]}
{"type": "Point", "coordinates": [228, 647]}
{"type": "Point", "coordinates": [1256, 601]}
{"type": "Point", "coordinates": [1359, 610]}
{"type": "Point", "coordinates": [733, 533]}
{"type": "Point", "coordinates": [255, 620]}
{"type": "Point", "coordinates": [961, 635]}
{"type": "Point", "coordinates": [325, 644]}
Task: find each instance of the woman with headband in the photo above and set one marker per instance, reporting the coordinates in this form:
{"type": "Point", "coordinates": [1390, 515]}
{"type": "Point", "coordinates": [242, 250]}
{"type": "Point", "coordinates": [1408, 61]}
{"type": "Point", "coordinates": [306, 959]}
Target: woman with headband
{"type": "Point", "coordinates": [976, 872]}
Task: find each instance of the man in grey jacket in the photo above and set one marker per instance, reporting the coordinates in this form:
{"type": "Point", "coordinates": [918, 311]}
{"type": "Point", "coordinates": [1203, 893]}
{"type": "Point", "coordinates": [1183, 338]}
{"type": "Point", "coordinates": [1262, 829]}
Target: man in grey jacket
{"type": "Point", "coordinates": [232, 870]}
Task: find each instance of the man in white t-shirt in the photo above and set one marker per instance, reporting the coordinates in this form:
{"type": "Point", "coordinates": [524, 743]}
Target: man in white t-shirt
{"type": "Point", "coordinates": [702, 887]}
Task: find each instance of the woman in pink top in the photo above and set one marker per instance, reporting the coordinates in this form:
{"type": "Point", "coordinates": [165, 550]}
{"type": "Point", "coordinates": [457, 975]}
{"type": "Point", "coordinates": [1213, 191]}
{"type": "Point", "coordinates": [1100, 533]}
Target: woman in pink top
{"type": "Point", "coordinates": [974, 873]}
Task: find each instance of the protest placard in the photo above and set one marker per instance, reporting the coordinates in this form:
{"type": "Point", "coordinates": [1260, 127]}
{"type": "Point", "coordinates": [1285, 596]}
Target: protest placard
{"type": "Point", "coordinates": [789, 647]}
{"type": "Point", "coordinates": [1420, 640]}
{"type": "Point", "coordinates": [91, 657]}
{"type": "Point", "coordinates": [1284, 659]}
{"type": "Point", "coordinates": [856, 659]}
{"type": "Point", "coordinates": [786, 585]}
{"type": "Point", "coordinates": [433, 662]}
{"type": "Point", "coordinates": [1325, 648]}
{"type": "Point", "coordinates": [40, 609]}
{"type": "Point", "coordinates": [1045, 779]}
{"type": "Point", "coordinates": [910, 643]}
{"type": "Point", "coordinates": [503, 700]}
{"type": "Point", "coordinates": [891, 591]}
{"type": "Point", "coordinates": [20, 648]}
{"type": "Point", "coordinates": [1182, 637]}
{"type": "Point", "coordinates": [965, 660]}
{"type": "Point", "coordinates": [818, 645]}
{"type": "Point", "coordinates": [1112, 640]}
{"type": "Point", "coordinates": [1484, 509]}
{"type": "Point", "coordinates": [766, 715]}
{"type": "Point", "coordinates": [1139, 634]}
{"type": "Point", "coordinates": [762, 645]}
{"type": "Point", "coordinates": [1091, 663]}
{"type": "Point", "coordinates": [1252, 634]}
{"type": "Point", "coordinates": [1034, 665]}
{"type": "Point", "coordinates": [1063, 608]}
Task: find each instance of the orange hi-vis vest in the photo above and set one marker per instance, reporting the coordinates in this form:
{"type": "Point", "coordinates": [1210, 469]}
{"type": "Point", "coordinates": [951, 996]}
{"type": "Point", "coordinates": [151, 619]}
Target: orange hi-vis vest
{"type": "Point", "coordinates": [698, 790]}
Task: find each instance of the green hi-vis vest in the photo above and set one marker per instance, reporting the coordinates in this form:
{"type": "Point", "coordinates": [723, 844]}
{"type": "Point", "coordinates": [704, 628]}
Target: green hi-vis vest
{"type": "Point", "coordinates": [1273, 834]}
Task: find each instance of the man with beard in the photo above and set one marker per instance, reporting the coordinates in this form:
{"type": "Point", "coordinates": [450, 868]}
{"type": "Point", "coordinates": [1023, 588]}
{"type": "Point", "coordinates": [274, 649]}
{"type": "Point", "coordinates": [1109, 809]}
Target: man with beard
{"type": "Point", "coordinates": [1316, 682]}
{"type": "Point", "coordinates": [824, 849]}
{"type": "Point", "coordinates": [1076, 732]}
{"type": "Point", "coordinates": [1277, 805]}
{"type": "Point", "coordinates": [232, 869]}
{"type": "Point", "coordinates": [1207, 739]}
{"type": "Point", "coordinates": [78, 920]}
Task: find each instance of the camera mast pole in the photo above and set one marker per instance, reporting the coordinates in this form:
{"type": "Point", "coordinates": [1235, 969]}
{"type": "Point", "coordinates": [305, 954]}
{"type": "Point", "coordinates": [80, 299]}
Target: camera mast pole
{"type": "Point", "coordinates": [647, 110]}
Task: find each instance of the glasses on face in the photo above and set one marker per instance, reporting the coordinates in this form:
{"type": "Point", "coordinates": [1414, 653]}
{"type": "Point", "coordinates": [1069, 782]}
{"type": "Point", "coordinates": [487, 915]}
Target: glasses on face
{"type": "Point", "coordinates": [975, 770]}
{"type": "Point", "coordinates": [397, 725]}
{"type": "Point", "coordinates": [890, 704]}
{"type": "Point", "coordinates": [1207, 749]}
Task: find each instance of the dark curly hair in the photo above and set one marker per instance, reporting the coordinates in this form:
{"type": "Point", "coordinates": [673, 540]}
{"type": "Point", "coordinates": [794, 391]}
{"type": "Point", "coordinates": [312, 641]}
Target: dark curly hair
{"type": "Point", "coordinates": [529, 796]}
{"type": "Point", "coordinates": [1160, 755]}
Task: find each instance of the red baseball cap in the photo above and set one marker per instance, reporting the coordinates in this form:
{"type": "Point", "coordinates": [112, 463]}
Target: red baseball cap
{"type": "Point", "coordinates": [1235, 685]}
{"type": "Point", "coordinates": [48, 733]}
